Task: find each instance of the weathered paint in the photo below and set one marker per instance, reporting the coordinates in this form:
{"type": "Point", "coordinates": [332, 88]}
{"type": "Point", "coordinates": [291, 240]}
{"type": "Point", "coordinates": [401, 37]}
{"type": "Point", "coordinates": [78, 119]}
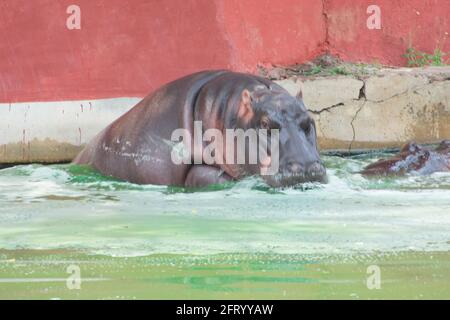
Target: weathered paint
{"type": "Point", "coordinates": [129, 48]}
{"type": "Point", "coordinates": [267, 32]}
{"type": "Point", "coordinates": [54, 131]}
{"type": "Point", "coordinates": [423, 24]}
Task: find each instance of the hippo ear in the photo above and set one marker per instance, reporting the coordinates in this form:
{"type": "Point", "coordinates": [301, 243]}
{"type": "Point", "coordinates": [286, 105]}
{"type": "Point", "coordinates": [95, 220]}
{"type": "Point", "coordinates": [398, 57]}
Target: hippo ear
{"type": "Point", "coordinates": [245, 106]}
{"type": "Point", "coordinates": [300, 94]}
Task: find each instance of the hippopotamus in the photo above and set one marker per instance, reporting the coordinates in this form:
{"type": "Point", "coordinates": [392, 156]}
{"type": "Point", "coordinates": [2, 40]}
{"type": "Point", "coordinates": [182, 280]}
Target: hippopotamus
{"type": "Point", "coordinates": [414, 159]}
{"type": "Point", "coordinates": [137, 147]}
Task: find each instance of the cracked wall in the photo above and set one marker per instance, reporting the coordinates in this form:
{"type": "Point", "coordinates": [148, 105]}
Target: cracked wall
{"type": "Point", "coordinates": [385, 109]}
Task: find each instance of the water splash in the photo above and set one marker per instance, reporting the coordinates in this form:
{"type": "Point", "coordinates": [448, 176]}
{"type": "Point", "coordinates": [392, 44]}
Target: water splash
{"type": "Point", "coordinates": [67, 206]}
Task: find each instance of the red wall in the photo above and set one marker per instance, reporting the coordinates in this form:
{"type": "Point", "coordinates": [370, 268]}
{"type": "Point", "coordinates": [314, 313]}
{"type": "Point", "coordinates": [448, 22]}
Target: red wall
{"type": "Point", "coordinates": [130, 47]}
{"type": "Point", "coordinates": [425, 24]}
{"type": "Point", "coordinates": [273, 32]}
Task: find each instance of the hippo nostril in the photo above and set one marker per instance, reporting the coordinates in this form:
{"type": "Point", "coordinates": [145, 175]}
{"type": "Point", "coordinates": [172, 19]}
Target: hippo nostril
{"type": "Point", "coordinates": [294, 167]}
{"type": "Point", "coordinates": [316, 169]}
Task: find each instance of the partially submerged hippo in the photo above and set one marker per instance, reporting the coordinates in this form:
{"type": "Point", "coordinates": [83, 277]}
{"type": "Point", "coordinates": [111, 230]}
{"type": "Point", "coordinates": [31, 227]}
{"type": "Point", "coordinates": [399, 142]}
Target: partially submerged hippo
{"type": "Point", "coordinates": [413, 158]}
{"type": "Point", "coordinates": [138, 147]}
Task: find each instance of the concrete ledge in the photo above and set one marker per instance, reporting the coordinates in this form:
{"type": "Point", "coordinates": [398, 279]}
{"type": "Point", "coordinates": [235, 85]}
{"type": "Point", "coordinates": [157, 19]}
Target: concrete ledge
{"type": "Point", "coordinates": [380, 110]}
{"type": "Point", "coordinates": [54, 131]}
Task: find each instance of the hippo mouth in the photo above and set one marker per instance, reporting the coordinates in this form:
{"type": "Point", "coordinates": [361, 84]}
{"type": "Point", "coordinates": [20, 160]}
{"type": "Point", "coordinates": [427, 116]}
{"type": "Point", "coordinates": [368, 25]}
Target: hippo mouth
{"type": "Point", "coordinates": [288, 179]}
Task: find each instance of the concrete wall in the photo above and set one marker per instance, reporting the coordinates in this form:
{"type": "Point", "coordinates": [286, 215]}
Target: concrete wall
{"type": "Point", "coordinates": [54, 131]}
{"type": "Point", "coordinates": [58, 87]}
{"type": "Point", "coordinates": [384, 109]}
{"type": "Point", "coordinates": [424, 24]}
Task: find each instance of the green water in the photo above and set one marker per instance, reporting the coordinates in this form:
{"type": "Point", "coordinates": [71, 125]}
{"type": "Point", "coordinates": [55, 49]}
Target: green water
{"type": "Point", "coordinates": [242, 240]}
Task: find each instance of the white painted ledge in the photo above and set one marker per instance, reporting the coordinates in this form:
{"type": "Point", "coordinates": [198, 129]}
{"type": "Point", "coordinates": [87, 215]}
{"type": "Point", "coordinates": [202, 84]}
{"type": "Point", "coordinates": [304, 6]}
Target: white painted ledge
{"type": "Point", "coordinates": [54, 131]}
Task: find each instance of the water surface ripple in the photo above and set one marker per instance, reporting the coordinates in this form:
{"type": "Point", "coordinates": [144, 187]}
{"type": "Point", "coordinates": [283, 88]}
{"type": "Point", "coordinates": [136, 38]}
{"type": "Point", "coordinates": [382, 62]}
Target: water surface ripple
{"type": "Point", "coordinates": [74, 207]}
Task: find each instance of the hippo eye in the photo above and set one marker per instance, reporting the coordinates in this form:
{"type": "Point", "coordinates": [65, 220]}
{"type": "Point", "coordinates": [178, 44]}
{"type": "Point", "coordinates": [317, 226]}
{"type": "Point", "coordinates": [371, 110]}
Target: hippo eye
{"type": "Point", "coordinates": [307, 130]}
{"type": "Point", "coordinates": [306, 126]}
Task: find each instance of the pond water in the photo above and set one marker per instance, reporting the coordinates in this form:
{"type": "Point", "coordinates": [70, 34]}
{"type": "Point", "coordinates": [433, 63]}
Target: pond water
{"type": "Point", "coordinates": [241, 240]}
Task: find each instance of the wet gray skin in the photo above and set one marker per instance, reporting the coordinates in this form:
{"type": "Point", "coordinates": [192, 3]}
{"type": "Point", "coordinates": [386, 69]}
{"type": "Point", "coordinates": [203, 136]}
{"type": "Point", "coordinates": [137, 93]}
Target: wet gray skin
{"type": "Point", "coordinates": [299, 159]}
{"type": "Point", "coordinates": [134, 147]}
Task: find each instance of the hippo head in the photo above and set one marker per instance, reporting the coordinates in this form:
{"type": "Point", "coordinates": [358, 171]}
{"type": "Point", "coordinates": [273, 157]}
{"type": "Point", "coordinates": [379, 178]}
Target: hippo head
{"type": "Point", "coordinates": [444, 147]}
{"type": "Point", "coordinates": [298, 157]}
{"type": "Point", "coordinates": [412, 158]}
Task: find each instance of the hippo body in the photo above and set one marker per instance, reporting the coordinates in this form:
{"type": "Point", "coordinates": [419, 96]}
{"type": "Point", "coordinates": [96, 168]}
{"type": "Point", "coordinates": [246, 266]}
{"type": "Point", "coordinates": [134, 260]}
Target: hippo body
{"type": "Point", "coordinates": [137, 146]}
{"type": "Point", "coordinates": [414, 159]}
